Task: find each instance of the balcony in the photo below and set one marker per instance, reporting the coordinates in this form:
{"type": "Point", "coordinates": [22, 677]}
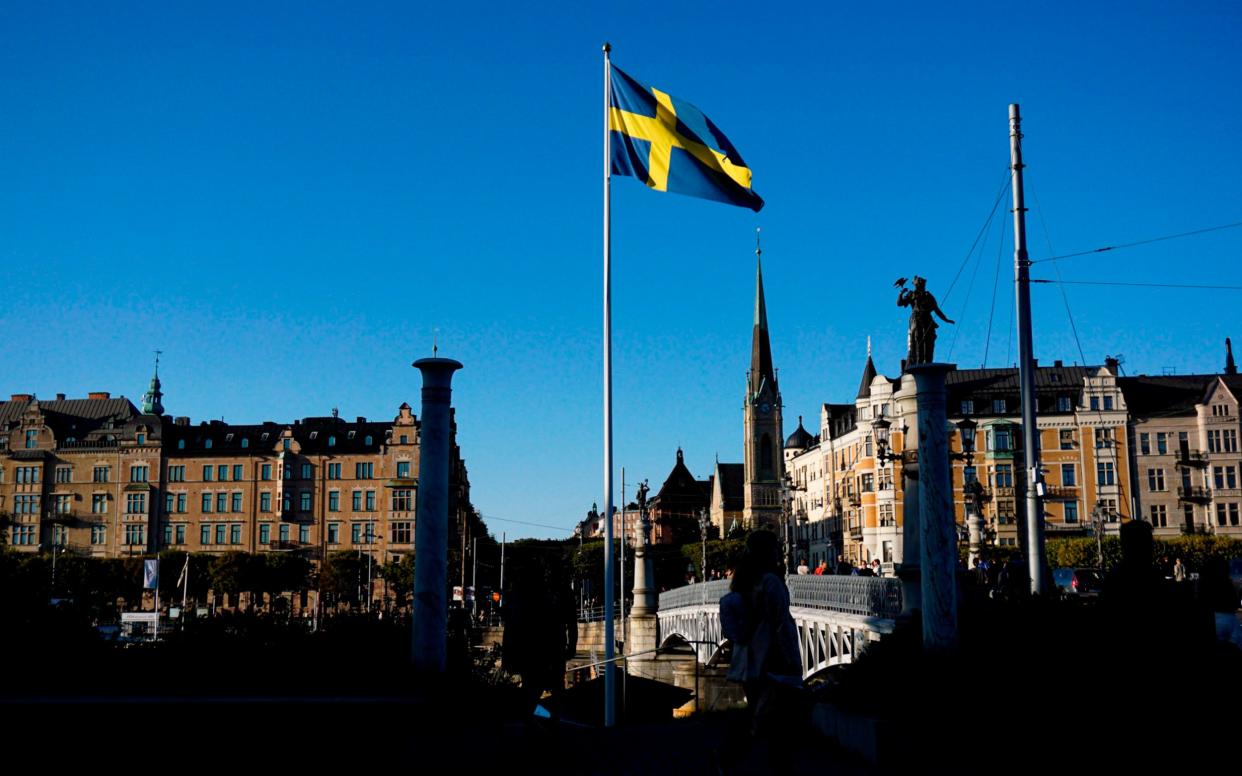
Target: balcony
{"type": "Point", "coordinates": [855, 530]}
{"type": "Point", "coordinates": [1067, 492]}
{"type": "Point", "coordinates": [855, 499]}
{"type": "Point", "coordinates": [1194, 494]}
{"type": "Point", "coordinates": [1005, 492]}
{"type": "Point", "coordinates": [285, 545]}
{"type": "Point", "coordinates": [1188, 457]}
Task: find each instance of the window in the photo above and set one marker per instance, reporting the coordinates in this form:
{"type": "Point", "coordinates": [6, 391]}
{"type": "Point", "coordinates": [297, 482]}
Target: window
{"type": "Point", "coordinates": [135, 535]}
{"type": "Point", "coordinates": [286, 501]}
{"type": "Point", "coordinates": [206, 502]}
{"type": "Point", "coordinates": [400, 533]}
{"type": "Point", "coordinates": [181, 502]}
{"type": "Point", "coordinates": [32, 439]}
{"type": "Point", "coordinates": [23, 534]}
{"type": "Point", "coordinates": [1003, 439]}
{"type": "Point", "coordinates": [265, 533]}
{"type": "Point", "coordinates": [1231, 440]}
{"type": "Point", "coordinates": [1108, 402]}
{"type": "Point", "coordinates": [1231, 480]}
{"type": "Point", "coordinates": [176, 474]}
{"type": "Point", "coordinates": [204, 537]}
{"type": "Point", "coordinates": [245, 443]}
{"type": "Point", "coordinates": [886, 515]}
{"type": "Point", "coordinates": [1105, 473]}
{"type": "Point", "coordinates": [266, 472]}
{"type": "Point", "coordinates": [969, 475]}
{"type": "Point", "coordinates": [64, 474]}
{"type": "Point", "coordinates": [1155, 479]}
{"type": "Point", "coordinates": [334, 471]}
{"type": "Point", "coordinates": [136, 503]}
{"type": "Point", "coordinates": [170, 500]}
{"type": "Point", "coordinates": [367, 441]}
{"type": "Point", "coordinates": [331, 441]}
{"type": "Point", "coordinates": [1071, 512]}
{"type": "Point", "coordinates": [222, 473]}
{"type": "Point", "coordinates": [357, 501]}
{"type": "Point", "coordinates": [26, 505]}
{"type": "Point", "coordinates": [1220, 514]}
{"type": "Point", "coordinates": [221, 532]}
{"type": "Point", "coordinates": [237, 502]}
{"type": "Point", "coordinates": [1064, 404]}
{"type": "Point", "coordinates": [208, 473]}
{"type": "Point", "coordinates": [287, 444]}
{"type": "Point", "coordinates": [1095, 402]}
{"type": "Point", "coordinates": [138, 473]}
{"type": "Point", "coordinates": [1103, 438]}
{"type": "Point", "coordinates": [1214, 441]}
{"type": "Point", "coordinates": [403, 469]}
{"type": "Point", "coordinates": [402, 500]}
{"type": "Point", "coordinates": [334, 533]}
{"type": "Point", "coordinates": [265, 502]}
{"type": "Point", "coordinates": [1068, 472]}
{"type": "Point", "coordinates": [99, 503]}
{"type": "Point", "coordinates": [304, 534]}
{"type": "Point", "coordinates": [1159, 516]}
{"type": "Point", "coordinates": [235, 533]}
{"type": "Point", "coordinates": [167, 534]}
{"type": "Point", "coordinates": [284, 532]}
{"type": "Point", "coordinates": [370, 501]}
{"type": "Point", "coordinates": [355, 533]}
{"type": "Point", "coordinates": [1145, 444]}
{"type": "Point", "coordinates": [237, 472]}
{"type": "Point", "coordinates": [63, 504]}
{"type": "Point", "coordinates": [314, 435]}
{"type": "Point", "coordinates": [100, 475]}
{"type": "Point", "coordinates": [363, 471]}
{"type": "Point", "coordinates": [180, 444]}
{"type": "Point", "coordinates": [306, 471]}
{"type": "Point", "coordinates": [142, 439]}
{"type": "Point", "coordinates": [334, 501]}
{"type": "Point", "coordinates": [207, 444]}
{"type": "Point", "coordinates": [1218, 473]}
{"type": "Point", "coordinates": [1233, 513]}
{"type": "Point", "coordinates": [222, 502]}
{"type": "Point", "coordinates": [968, 407]}
{"type": "Point", "coordinates": [868, 483]}
{"type": "Point", "coordinates": [99, 534]}
{"type": "Point", "coordinates": [306, 501]}
{"type": "Point", "coordinates": [998, 406]}
{"type": "Point", "coordinates": [1162, 443]}
{"type": "Point", "coordinates": [405, 439]}
{"type": "Point", "coordinates": [1004, 476]}
{"type": "Point", "coordinates": [180, 533]}
{"type": "Point", "coordinates": [288, 469]}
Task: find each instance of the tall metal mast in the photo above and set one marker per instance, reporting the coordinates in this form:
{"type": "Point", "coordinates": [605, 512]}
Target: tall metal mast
{"type": "Point", "coordinates": [1026, 364]}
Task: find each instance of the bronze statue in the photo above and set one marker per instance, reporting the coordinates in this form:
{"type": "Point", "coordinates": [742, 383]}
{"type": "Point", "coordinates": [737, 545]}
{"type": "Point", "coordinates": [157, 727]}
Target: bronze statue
{"type": "Point", "coordinates": [921, 340]}
{"type": "Point", "coordinates": [976, 493]}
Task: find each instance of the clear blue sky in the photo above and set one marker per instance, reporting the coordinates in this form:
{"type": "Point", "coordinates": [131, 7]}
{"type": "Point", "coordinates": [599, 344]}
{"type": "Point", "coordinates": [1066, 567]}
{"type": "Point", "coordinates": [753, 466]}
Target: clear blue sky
{"type": "Point", "coordinates": [289, 198]}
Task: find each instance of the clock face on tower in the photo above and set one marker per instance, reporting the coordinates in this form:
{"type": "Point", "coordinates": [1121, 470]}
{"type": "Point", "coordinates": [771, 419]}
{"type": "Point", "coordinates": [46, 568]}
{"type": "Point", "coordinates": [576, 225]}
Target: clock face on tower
{"type": "Point", "coordinates": [765, 407]}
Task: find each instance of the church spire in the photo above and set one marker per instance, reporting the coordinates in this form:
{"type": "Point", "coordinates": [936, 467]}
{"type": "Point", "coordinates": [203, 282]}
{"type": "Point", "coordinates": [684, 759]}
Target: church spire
{"type": "Point", "coordinates": [1230, 367]}
{"type": "Point", "coordinates": [864, 387]}
{"type": "Point", "coordinates": [152, 400]}
{"type": "Point", "coordinates": [761, 373]}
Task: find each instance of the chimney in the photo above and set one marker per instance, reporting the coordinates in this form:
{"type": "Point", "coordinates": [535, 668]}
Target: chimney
{"type": "Point", "coordinates": [1111, 364]}
{"type": "Point", "coordinates": [361, 419]}
{"type": "Point", "coordinates": [98, 395]}
{"type": "Point", "coordinates": [60, 397]}
{"type": "Point", "coordinates": [1058, 363]}
{"type": "Point", "coordinates": [182, 421]}
{"type": "Point", "coordinates": [22, 397]}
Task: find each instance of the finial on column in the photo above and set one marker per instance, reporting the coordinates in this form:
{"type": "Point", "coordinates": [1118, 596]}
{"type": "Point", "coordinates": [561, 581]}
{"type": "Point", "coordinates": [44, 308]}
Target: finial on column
{"type": "Point", "coordinates": [435, 347]}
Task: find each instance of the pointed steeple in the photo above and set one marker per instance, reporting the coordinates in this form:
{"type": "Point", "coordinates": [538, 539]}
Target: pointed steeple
{"type": "Point", "coordinates": [864, 388]}
{"type": "Point", "coordinates": [152, 400]}
{"type": "Point", "coordinates": [1230, 367]}
{"type": "Point", "coordinates": [761, 373]}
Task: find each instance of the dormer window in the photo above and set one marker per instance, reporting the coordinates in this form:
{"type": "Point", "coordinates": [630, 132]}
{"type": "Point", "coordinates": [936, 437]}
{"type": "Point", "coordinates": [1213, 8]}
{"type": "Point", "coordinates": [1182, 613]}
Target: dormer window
{"type": "Point", "coordinates": [142, 439]}
{"type": "Point", "coordinates": [180, 444]}
{"type": "Point", "coordinates": [314, 435]}
{"type": "Point", "coordinates": [245, 443]}
{"type": "Point", "coordinates": [287, 443]}
{"type": "Point", "coordinates": [228, 437]}
{"type": "Point", "coordinates": [331, 441]}
{"type": "Point", "coordinates": [351, 434]}
{"type": "Point", "coordinates": [207, 444]}
{"type": "Point", "coordinates": [264, 437]}
{"type": "Point", "coordinates": [367, 441]}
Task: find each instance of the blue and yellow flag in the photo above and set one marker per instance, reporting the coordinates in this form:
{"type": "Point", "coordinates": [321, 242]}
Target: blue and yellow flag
{"type": "Point", "coordinates": [671, 146]}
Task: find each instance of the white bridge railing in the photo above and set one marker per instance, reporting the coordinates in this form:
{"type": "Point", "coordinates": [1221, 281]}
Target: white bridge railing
{"type": "Point", "coordinates": [836, 616]}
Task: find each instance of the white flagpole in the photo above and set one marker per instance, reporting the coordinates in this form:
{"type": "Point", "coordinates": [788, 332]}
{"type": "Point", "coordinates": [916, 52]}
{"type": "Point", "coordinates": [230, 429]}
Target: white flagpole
{"type": "Point", "coordinates": [185, 587]}
{"type": "Point", "coordinates": [610, 690]}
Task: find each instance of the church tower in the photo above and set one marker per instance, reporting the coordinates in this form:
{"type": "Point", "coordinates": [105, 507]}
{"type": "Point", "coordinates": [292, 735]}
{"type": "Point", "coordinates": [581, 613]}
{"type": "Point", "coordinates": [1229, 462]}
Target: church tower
{"type": "Point", "coordinates": [765, 463]}
{"type": "Point", "coordinates": [152, 400]}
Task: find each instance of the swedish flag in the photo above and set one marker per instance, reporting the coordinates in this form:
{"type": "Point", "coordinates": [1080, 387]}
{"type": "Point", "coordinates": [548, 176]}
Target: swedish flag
{"type": "Point", "coordinates": [671, 146]}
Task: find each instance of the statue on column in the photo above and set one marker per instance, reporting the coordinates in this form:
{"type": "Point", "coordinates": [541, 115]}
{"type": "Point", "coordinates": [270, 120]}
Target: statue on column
{"type": "Point", "coordinates": [921, 340]}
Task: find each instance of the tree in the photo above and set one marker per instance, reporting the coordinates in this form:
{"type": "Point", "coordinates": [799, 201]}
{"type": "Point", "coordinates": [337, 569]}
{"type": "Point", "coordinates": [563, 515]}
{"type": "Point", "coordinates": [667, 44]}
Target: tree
{"type": "Point", "coordinates": [400, 577]}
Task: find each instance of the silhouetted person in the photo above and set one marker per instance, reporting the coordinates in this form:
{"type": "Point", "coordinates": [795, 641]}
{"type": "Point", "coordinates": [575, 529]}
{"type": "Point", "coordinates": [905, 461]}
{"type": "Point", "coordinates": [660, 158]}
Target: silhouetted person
{"type": "Point", "coordinates": [766, 658]}
{"type": "Point", "coordinates": [541, 634]}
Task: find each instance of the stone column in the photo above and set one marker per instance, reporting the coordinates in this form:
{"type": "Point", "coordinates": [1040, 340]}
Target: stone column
{"type": "Point", "coordinates": [431, 516]}
{"type": "Point", "coordinates": [937, 529]}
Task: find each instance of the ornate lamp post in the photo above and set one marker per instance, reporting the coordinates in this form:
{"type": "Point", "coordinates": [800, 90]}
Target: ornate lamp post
{"type": "Point", "coordinates": [704, 521]}
{"type": "Point", "coordinates": [974, 518]}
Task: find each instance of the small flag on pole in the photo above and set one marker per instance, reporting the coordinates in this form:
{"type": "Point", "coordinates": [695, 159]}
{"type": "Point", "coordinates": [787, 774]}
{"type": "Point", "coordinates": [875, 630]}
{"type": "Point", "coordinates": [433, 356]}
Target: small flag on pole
{"type": "Point", "coordinates": [671, 146]}
{"type": "Point", "coordinates": [150, 574]}
{"type": "Point", "coordinates": [185, 571]}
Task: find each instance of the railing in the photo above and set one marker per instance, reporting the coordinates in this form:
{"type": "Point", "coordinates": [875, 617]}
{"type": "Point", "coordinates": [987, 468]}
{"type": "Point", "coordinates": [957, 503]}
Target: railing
{"type": "Point", "coordinates": [694, 595]}
{"type": "Point", "coordinates": [596, 613]}
{"type": "Point", "coordinates": [1194, 493]}
{"type": "Point", "coordinates": [866, 596]}
{"type": "Point", "coordinates": [1060, 491]}
{"type": "Point", "coordinates": [1187, 457]}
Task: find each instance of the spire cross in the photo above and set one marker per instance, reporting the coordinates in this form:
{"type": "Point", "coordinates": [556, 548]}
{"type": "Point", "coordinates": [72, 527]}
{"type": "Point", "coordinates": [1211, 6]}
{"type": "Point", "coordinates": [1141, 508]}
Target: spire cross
{"type": "Point", "coordinates": [158, 353]}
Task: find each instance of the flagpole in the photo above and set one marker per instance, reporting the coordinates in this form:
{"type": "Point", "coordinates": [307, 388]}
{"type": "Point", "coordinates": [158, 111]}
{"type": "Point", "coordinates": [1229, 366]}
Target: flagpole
{"type": "Point", "coordinates": [185, 587]}
{"type": "Point", "coordinates": [610, 689]}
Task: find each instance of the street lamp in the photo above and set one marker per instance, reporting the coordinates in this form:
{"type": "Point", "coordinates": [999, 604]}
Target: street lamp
{"type": "Point", "coordinates": [703, 523]}
{"type": "Point", "coordinates": [972, 528]}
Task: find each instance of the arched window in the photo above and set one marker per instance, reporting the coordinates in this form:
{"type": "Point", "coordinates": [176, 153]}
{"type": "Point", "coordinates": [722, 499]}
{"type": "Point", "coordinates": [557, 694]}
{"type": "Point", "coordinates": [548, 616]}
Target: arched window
{"type": "Point", "coordinates": [368, 440]}
{"type": "Point", "coordinates": [245, 443]}
{"type": "Point", "coordinates": [765, 455]}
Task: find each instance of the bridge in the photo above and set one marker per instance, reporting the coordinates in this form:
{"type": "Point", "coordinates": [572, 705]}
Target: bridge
{"type": "Point", "coordinates": [836, 617]}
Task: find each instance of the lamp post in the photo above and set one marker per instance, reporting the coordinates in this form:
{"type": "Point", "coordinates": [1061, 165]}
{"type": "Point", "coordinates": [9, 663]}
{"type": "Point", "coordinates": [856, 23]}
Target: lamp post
{"type": "Point", "coordinates": [1097, 524]}
{"type": "Point", "coordinates": [974, 516]}
{"type": "Point", "coordinates": [703, 523]}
